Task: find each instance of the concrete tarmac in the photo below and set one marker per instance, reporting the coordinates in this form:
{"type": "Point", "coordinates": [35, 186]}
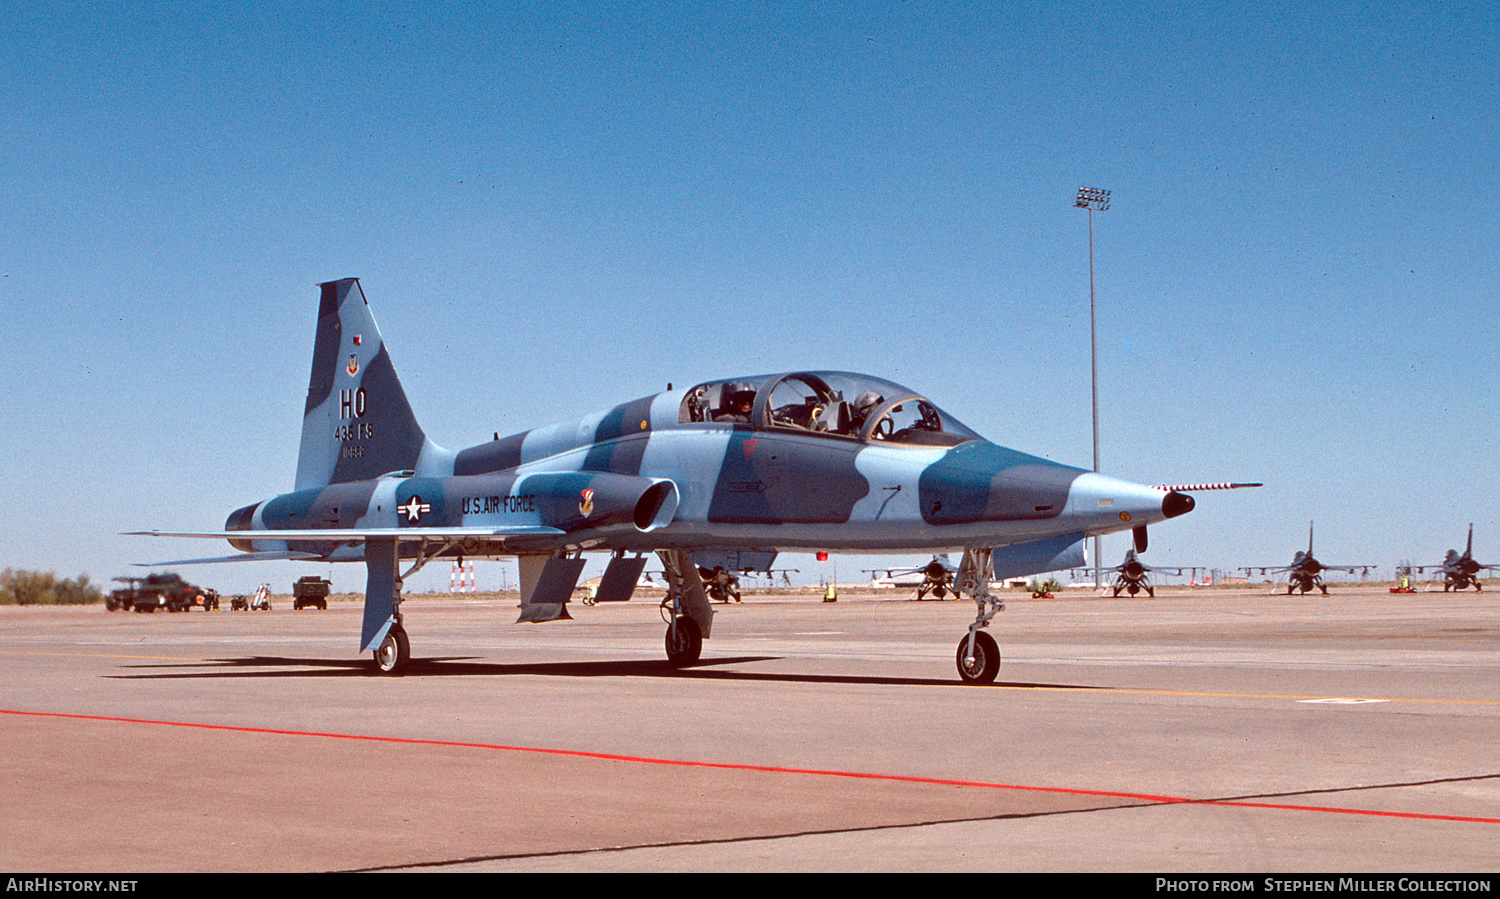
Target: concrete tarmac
{"type": "Point", "coordinates": [1229, 731]}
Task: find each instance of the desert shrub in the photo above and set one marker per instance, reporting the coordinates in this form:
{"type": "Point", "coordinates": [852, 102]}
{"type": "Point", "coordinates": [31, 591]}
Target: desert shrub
{"type": "Point", "coordinates": [30, 588]}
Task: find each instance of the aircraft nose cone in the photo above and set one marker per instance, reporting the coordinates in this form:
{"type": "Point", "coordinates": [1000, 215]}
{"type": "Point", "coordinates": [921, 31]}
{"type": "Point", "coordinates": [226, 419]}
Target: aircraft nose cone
{"type": "Point", "coordinates": [1175, 504]}
{"type": "Point", "coordinates": [1110, 504]}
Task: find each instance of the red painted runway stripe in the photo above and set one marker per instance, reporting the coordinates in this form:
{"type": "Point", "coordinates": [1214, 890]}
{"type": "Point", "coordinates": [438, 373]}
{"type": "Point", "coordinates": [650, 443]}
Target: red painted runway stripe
{"type": "Point", "coordinates": [770, 769]}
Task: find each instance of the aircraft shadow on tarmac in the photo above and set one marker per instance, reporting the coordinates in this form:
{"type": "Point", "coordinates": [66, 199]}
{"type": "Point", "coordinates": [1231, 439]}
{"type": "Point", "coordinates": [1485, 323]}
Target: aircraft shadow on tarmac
{"type": "Point", "coordinates": [280, 666]}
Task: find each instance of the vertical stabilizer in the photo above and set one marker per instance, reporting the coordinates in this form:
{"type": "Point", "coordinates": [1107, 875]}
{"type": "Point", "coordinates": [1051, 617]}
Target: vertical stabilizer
{"type": "Point", "coordinates": [357, 423]}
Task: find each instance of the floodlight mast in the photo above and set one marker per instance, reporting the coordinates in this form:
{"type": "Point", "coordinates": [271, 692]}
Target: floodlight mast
{"type": "Point", "coordinates": [1092, 198]}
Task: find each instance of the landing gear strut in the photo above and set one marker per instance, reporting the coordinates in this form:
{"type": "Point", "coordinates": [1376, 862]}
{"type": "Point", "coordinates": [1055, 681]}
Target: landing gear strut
{"type": "Point", "coordinates": [685, 609]}
{"type": "Point", "coordinates": [978, 654]}
{"type": "Point", "coordinates": [383, 600]}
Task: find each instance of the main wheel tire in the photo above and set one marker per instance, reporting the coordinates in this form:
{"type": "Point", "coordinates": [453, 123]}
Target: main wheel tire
{"type": "Point", "coordinates": [394, 652]}
{"type": "Point", "coordinates": [684, 641]}
{"type": "Point", "coordinates": [985, 663]}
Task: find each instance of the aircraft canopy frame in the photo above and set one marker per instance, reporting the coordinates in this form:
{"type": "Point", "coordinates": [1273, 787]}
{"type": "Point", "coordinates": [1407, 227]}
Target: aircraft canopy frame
{"type": "Point", "coordinates": [840, 405]}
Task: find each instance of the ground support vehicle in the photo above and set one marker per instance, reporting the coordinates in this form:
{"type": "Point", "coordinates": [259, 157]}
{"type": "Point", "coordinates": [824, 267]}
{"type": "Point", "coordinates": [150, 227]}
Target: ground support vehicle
{"type": "Point", "coordinates": [159, 591]}
{"type": "Point", "coordinates": [310, 592]}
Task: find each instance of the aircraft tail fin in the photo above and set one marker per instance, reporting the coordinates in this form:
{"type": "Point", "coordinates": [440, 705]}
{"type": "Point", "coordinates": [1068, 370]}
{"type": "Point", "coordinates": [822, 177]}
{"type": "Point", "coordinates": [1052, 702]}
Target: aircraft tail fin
{"type": "Point", "coordinates": [357, 423]}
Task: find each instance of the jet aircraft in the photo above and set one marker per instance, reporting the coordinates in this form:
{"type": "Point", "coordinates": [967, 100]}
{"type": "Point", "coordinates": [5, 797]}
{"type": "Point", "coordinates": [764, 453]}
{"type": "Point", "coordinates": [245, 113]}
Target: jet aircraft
{"type": "Point", "coordinates": [1460, 571]}
{"type": "Point", "coordinates": [936, 577]}
{"type": "Point", "coordinates": [704, 476]}
{"type": "Point", "coordinates": [1306, 572]}
{"type": "Point", "coordinates": [1132, 575]}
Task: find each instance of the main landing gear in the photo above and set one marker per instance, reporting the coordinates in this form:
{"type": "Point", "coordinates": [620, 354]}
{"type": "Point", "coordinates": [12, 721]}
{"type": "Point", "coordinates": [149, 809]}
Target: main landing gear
{"type": "Point", "coordinates": [394, 652]}
{"type": "Point", "coordinates": [1306, 585]}
{"type": "Point", "coordinates": [684, 641]}
{"type": "Point", "coordinates": [978, 654]}
{"type": "Point", "coordinates": [685, 609]}
{"type": "Point", "coordinates": [383, 600]}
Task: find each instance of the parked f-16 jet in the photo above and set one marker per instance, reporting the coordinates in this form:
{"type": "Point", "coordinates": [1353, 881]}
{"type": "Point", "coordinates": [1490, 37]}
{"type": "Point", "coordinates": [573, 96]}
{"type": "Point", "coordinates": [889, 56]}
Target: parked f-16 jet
{"type": "Point", "coordinates": [1305, 572]}
{"type": "Point", "coordinates": [1132, 576]}
{"type": "Point", "coordinates": [795, 461]}
{"type": "Point", "coordinates": [1460, 571]}
{"type": "Point", "coordinates": [936, 577]}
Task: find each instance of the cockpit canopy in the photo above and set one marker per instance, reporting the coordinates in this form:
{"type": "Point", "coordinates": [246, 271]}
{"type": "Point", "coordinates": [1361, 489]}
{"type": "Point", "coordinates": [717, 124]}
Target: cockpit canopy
{"type": "Point", "coordinates": [826, 403]}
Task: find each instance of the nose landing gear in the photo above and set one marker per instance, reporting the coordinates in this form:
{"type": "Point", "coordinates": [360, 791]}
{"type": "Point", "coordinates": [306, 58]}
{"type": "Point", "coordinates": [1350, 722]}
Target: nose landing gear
{"type": "Point", "coordinates": [978, 658]}
{"type": "Point", "coordinates": [978, 654]}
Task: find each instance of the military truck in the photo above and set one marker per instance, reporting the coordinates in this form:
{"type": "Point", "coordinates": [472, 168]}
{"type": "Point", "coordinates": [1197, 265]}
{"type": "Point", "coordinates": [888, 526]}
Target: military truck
{"type": "Point", "coordinates": [310, 591]}
{"type": "Point", "coordinates": [159, 591]}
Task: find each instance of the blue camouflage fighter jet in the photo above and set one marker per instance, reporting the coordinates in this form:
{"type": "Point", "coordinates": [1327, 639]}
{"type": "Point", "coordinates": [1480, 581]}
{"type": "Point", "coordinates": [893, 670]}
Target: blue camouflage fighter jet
{"type": "Point", "coordinates": [725, 473]}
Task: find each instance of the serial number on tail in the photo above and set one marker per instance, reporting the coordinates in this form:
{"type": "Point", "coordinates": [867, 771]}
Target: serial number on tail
{"type": "Point", "coordinates": [357, 431]}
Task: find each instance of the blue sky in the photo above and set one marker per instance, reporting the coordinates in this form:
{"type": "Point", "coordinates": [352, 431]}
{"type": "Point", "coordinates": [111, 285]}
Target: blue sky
{"type": "Point", "coordinates": [557, 207]}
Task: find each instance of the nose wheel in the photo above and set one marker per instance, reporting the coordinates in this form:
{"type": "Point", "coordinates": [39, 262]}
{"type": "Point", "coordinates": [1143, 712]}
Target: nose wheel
{"type": "Point", "coordinates": [978, 654]}
{"type": "Point", "coordinates": [979, 659]}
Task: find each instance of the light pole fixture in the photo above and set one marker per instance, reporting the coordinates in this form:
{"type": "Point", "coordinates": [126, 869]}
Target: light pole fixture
{"type": "Point", "coordinates": [1092, 198]}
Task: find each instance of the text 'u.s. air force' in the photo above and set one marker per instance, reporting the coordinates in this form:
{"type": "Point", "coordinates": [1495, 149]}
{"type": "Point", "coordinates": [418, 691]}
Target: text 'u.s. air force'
{"type": "Point", "coordinates": [488, 505]}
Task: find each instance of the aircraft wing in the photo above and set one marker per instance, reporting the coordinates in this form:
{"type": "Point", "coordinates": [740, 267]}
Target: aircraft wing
{"type": "Point", "coordinates": [1149, 569]}
{"type": "Point", "coordinates": [343, 535]}
{"type": "Point", "coordinates": [276, 556]}
{"type": "Point", "coordinates": [336, 535]}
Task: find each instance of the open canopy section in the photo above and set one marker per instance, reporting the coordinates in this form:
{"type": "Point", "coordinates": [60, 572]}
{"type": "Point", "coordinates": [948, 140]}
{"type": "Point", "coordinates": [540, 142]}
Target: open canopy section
{"type": "Point", "coordinates": [826, 403]}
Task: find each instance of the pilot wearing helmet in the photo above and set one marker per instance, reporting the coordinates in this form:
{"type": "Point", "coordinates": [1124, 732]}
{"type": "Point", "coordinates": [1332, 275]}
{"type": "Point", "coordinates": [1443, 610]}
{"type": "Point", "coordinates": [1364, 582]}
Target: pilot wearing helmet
{"type": "Point", "coordinates": [864, 406]}
{"type": "Point", "coordinates": [739, 399]}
